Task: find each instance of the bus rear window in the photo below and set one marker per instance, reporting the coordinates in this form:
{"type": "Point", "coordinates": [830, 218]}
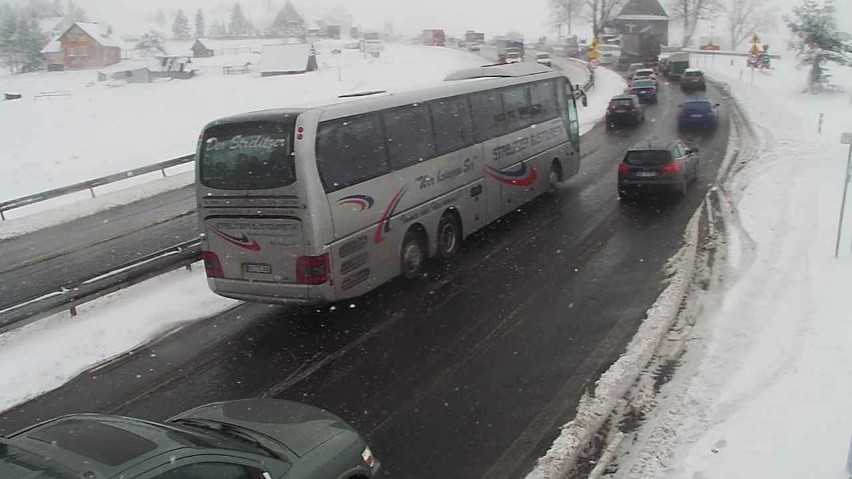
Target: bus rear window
{"type": "Point", "coordinates": [248, 156]}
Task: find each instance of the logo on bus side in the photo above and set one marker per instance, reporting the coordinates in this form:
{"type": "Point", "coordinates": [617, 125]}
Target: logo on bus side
{"type": "Point", "coordinates": [242, 240]}
{"type": "Point", "coordinates": [363, 202]}
{"type": "Point", "coordinates": [384, 223]}
{"type": "Point", "coordinates": [523, 175]}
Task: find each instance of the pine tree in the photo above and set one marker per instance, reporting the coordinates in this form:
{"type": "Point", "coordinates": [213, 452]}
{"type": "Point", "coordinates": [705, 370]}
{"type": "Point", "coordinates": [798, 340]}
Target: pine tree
{"type": "Point", "coordinates": [200, 26]}
{"type": "Point", "coordinates": [218, 30]}
{"type": "Point", "coordinates": [160, 18]}
{"type": "Point", "coordinates": [31, 41]}
{"type": "Point", "coordinates": [240, 26]}
{"type": "Point", "coordinates": [150, 44]}
{"type": "Point", "coordinates": [9, 40]}
{"type": "Point", "coordinates": [288, 23]}
{"type": "Point", "coordinates": [180, 28]}
{"type": "Point", "coordinates": [818, 39]}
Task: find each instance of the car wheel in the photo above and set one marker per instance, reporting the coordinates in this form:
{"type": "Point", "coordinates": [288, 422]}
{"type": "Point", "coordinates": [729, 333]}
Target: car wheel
{"type": "Point", "coordinates": [449, 236]}
{"type": "Point", "coordinates": [413, 255]}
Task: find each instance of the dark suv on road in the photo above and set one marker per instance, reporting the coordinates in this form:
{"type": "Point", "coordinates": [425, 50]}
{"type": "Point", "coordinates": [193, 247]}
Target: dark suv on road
{"type": "Point", "coordinates": [653, 166]}
{"type": "Point", "coordinates": [624, 109]}
{"type": "Point", "coordinates": [692, 79]}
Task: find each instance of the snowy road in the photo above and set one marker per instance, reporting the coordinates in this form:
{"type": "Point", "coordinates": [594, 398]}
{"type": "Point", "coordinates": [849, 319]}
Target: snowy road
{"type": "Point", "coordinates": [468, 373]}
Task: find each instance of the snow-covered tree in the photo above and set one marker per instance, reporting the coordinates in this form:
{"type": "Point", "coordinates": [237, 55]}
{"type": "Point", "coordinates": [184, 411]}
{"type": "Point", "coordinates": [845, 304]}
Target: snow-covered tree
{"type": "Point", "coordinates": [31, 41]}
{"type": "Point", "coordinates": [562, 14]}
{"type": "Point", "coordinates": [21, 40]}
{"type": "Point", "coordinates": [288, 23]}
{"type": "Point", "coordinates": [818, 40]}
{"type": "Point", "coordinates": [218, 29]}
{"type": "Point", "coordinates": [240, 26]}
{"type": "Point", "coordinates": [600, 12]}
{"type": "Point", "coordinates": [150, 44]}
{"type": "Point", "coordinates": [745, 17]}
{"type": "Point", "coordinates": [180, 27]}
{"type": "Point", "coordinates": [160, 18]}
{"type": "Point", "coordinates": [688, 13]}
{"type": "Point", "coordinates": [200, 25]}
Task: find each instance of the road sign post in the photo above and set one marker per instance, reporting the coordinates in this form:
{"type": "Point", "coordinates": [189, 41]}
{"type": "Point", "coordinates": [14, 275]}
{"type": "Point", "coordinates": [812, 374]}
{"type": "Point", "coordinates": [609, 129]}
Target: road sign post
{"type": "Point", "coordinates": [846, 139]}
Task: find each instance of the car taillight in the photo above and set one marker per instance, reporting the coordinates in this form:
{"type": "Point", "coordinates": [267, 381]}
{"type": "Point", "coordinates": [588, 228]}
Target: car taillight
{"type": "Point", "coordinates": [312, 269]}
{"type": "Point", "coordinates": [634, 110]}
{"type": "Point", "coordinates": [367, 456]}
{"type": "Point", "coordinates": [672, 167]}
{"type": "Point", "coordinates": [212, 265]}
{"type": "Point", "coordinates": [622, 168]}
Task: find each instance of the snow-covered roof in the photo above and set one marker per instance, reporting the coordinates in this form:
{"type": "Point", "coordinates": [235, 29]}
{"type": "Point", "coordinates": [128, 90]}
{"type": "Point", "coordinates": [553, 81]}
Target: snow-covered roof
{"type": "Point", "coordinates": [128, 65]}
{"type": "Point", "coordinates": [98, 33]}
{"type": "Point", "coordinates": [641, 17]}
{"type": "Point", "coordinates": [284, 58]}
{"type": "Point", "coordinates": [52, 46]}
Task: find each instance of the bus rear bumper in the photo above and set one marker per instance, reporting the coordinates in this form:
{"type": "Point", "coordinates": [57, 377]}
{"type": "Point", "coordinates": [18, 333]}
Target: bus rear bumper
{"type": "Point", "coordinates": [272, 293]}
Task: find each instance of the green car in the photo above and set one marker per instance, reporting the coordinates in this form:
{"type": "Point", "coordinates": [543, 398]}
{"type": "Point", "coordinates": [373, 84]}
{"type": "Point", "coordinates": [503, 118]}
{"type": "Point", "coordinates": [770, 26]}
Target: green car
{"type": "Point", "coordinates": [243, 439]}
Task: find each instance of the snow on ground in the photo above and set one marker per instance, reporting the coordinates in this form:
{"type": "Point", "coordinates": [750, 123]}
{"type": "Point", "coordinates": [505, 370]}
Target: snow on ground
{"type": "Point", "coordinates": [99, 130]}
{"type": "Point", "coordinates": [60, 347]}
{"type": "Point", "coordinates": [770, 395]}
{"type": "Point", "coordinates": [607, 84]}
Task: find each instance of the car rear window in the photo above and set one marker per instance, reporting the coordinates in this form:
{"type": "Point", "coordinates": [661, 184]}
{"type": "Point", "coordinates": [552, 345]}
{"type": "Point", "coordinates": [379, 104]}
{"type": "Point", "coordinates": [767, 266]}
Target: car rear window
{"type": "Point", "coordinates": [621, 103]}
{"type": "Point", "coordinates": [696, 106]}
{"type": "Point", "coordinates": [648, 157]}
{"type": "Point", "coordinates": [248, 156]}
{"type": "Point", "coordinates": [693, 74]}
{"type": "Point", "coordinates": [643, 84]}
{"type": "Point", "coordinates": [100, 442]}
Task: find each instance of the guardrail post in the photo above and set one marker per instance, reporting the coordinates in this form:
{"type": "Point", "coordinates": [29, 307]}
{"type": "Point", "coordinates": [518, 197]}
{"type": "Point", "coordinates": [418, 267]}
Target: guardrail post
{"type": "Point", "coordinates": [189, 267]}
{"type": "Point", "coordinates": [73, 311]}
{"type": "Point", "coordinates": [92, 191]}
{"type": "Point", "coordinates": [163, 171]}
{"type": "Point", "coordinates": [3, 216]}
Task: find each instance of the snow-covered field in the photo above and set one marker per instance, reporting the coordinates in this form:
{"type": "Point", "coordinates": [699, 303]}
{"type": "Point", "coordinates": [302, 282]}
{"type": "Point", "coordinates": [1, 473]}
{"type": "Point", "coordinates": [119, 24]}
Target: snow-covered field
{"type": "Point", "coordinates": [771, 392]}
{"type": "Point", "coordinates": [99, 130]}
{"type": "Point", "coordinates": [68, 346]}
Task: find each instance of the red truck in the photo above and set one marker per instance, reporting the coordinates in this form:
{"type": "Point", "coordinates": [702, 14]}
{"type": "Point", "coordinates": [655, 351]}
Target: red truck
{"type": "Point", "coordinates": [434, 37]}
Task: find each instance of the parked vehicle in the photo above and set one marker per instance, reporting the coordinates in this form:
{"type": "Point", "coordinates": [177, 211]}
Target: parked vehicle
{"type": "Point", "coordinates": [242, 439]}
{"type": "Point", "coordinates": [624, 109]}
{"type": "Point", "coordinates": [543, 58]}
{"type": "Point", "coordinates": [653, 166]}
{"type": "Point", "coordinates": [698, 113]}
{"type": "Point", "coordinates": [645, 90]}
{"type": "Point", "coordinates": [677, 64]}
{"type": "Point", "coordinates": [692, 80]}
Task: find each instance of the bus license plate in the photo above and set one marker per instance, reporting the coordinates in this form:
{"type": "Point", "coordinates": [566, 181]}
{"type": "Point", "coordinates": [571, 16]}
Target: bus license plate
{"type": "Point", "coordinates": [258, 268]}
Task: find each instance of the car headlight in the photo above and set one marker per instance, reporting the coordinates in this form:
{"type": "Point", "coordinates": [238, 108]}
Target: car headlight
{"type": "Point", "coordinates": [367, 456]}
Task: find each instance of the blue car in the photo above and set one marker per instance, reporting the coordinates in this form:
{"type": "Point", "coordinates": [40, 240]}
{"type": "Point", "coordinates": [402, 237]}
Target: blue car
{"type": "Point", "coordinates": [698, 113]}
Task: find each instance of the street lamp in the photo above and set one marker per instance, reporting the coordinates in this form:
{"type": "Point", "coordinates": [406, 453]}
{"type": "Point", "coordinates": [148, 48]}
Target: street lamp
{"type": "Point", "coordinates": [845, 139]}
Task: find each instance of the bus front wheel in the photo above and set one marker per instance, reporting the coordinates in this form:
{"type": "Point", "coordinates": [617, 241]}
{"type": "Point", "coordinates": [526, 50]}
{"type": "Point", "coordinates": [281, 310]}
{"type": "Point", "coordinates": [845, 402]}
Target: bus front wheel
{"type": "Point", "coordinates": [413, 255]}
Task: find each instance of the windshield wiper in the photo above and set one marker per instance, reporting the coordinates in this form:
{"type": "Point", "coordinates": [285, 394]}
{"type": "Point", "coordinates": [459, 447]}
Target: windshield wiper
{"type": "Point", "coordinates": [231, 431]}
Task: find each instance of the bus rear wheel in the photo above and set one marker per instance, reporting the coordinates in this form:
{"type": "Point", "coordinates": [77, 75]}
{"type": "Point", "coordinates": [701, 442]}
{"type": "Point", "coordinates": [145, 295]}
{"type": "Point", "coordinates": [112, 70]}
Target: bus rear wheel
{"type": "Point", "coordinates": [449, 236]}
{"type": "Point", "coordinates": [413, 255]}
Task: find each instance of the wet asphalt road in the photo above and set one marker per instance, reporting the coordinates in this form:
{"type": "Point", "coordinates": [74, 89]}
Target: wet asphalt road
{"type": "Point", "coordinates": [465, 374]}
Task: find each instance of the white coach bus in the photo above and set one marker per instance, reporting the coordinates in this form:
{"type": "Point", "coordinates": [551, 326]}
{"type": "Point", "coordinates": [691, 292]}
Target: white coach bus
{"type": "Point", "coordinates": [316, 205]}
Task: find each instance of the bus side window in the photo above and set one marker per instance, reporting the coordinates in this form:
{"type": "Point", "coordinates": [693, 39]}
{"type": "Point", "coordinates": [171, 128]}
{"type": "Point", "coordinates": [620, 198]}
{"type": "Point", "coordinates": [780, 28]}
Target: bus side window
{"type": "Point", "coordinates": [351, 150]}
{"type": "Point", "coordinates": [517, 108]}
{"type": "Point", "coordinates": [489, 120]}
{"type": "Point", "coordinates": [453, 127]}
{"type": "Point", "coordinates": [543, 101]}
{"type": "Point", "coordinates": [409, 135]}
{"type": "Point", "coordinates": [569, 112]}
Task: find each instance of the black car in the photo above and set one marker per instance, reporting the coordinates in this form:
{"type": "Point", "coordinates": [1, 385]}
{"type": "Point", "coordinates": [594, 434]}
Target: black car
{"type": "Point", "coordinates": [243, 439]}
{"type": "Point", "coordinates": [693, 79]}
{"type": "Point", "coordinates": [624, 109]}
{"type": "Point", "coordinates": [645, 90]}
{"type": "Point", "coordinates": [653, 166]}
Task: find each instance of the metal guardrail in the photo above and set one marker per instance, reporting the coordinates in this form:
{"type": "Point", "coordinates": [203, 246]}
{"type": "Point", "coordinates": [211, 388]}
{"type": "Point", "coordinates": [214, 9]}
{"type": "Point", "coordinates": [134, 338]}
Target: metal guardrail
{"type": "Point", "coordinates": [91, 184]}
{"type": "Point", "coordinates": [136, 271]}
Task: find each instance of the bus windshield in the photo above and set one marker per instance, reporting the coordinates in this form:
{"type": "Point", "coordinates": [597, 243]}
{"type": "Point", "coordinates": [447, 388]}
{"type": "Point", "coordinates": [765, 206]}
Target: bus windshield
{"type": "Point", "coordinates": [248, 156]}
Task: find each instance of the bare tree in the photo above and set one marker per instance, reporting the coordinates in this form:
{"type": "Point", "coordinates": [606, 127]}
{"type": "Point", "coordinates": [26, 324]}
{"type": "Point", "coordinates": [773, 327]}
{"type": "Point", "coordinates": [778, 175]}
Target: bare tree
{"type": "Point", "coordinates": [746, 17]}
{"type": "Point", "coordinates": [562, 13]}
{"type": "Point", "coordinates": [600, 12]}
{"type": "Point", "coordinates": [688, 13]}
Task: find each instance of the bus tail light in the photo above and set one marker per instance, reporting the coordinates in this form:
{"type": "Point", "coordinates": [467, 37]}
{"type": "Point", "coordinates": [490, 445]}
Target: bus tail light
{"type": "Point", "coordinates": [312, 269]}
{"type": "Point", "coordinates": [212, 265]}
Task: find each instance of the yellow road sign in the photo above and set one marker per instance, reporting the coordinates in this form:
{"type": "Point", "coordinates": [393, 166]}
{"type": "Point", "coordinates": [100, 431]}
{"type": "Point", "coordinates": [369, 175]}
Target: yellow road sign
{"type": "Point", "coordinates": [755, 39]}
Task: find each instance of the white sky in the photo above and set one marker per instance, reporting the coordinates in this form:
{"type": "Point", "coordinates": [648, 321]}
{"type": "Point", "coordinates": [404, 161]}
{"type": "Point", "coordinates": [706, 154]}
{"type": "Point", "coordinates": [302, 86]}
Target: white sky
{"type": "Point", "coordinates": [494, 17]}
